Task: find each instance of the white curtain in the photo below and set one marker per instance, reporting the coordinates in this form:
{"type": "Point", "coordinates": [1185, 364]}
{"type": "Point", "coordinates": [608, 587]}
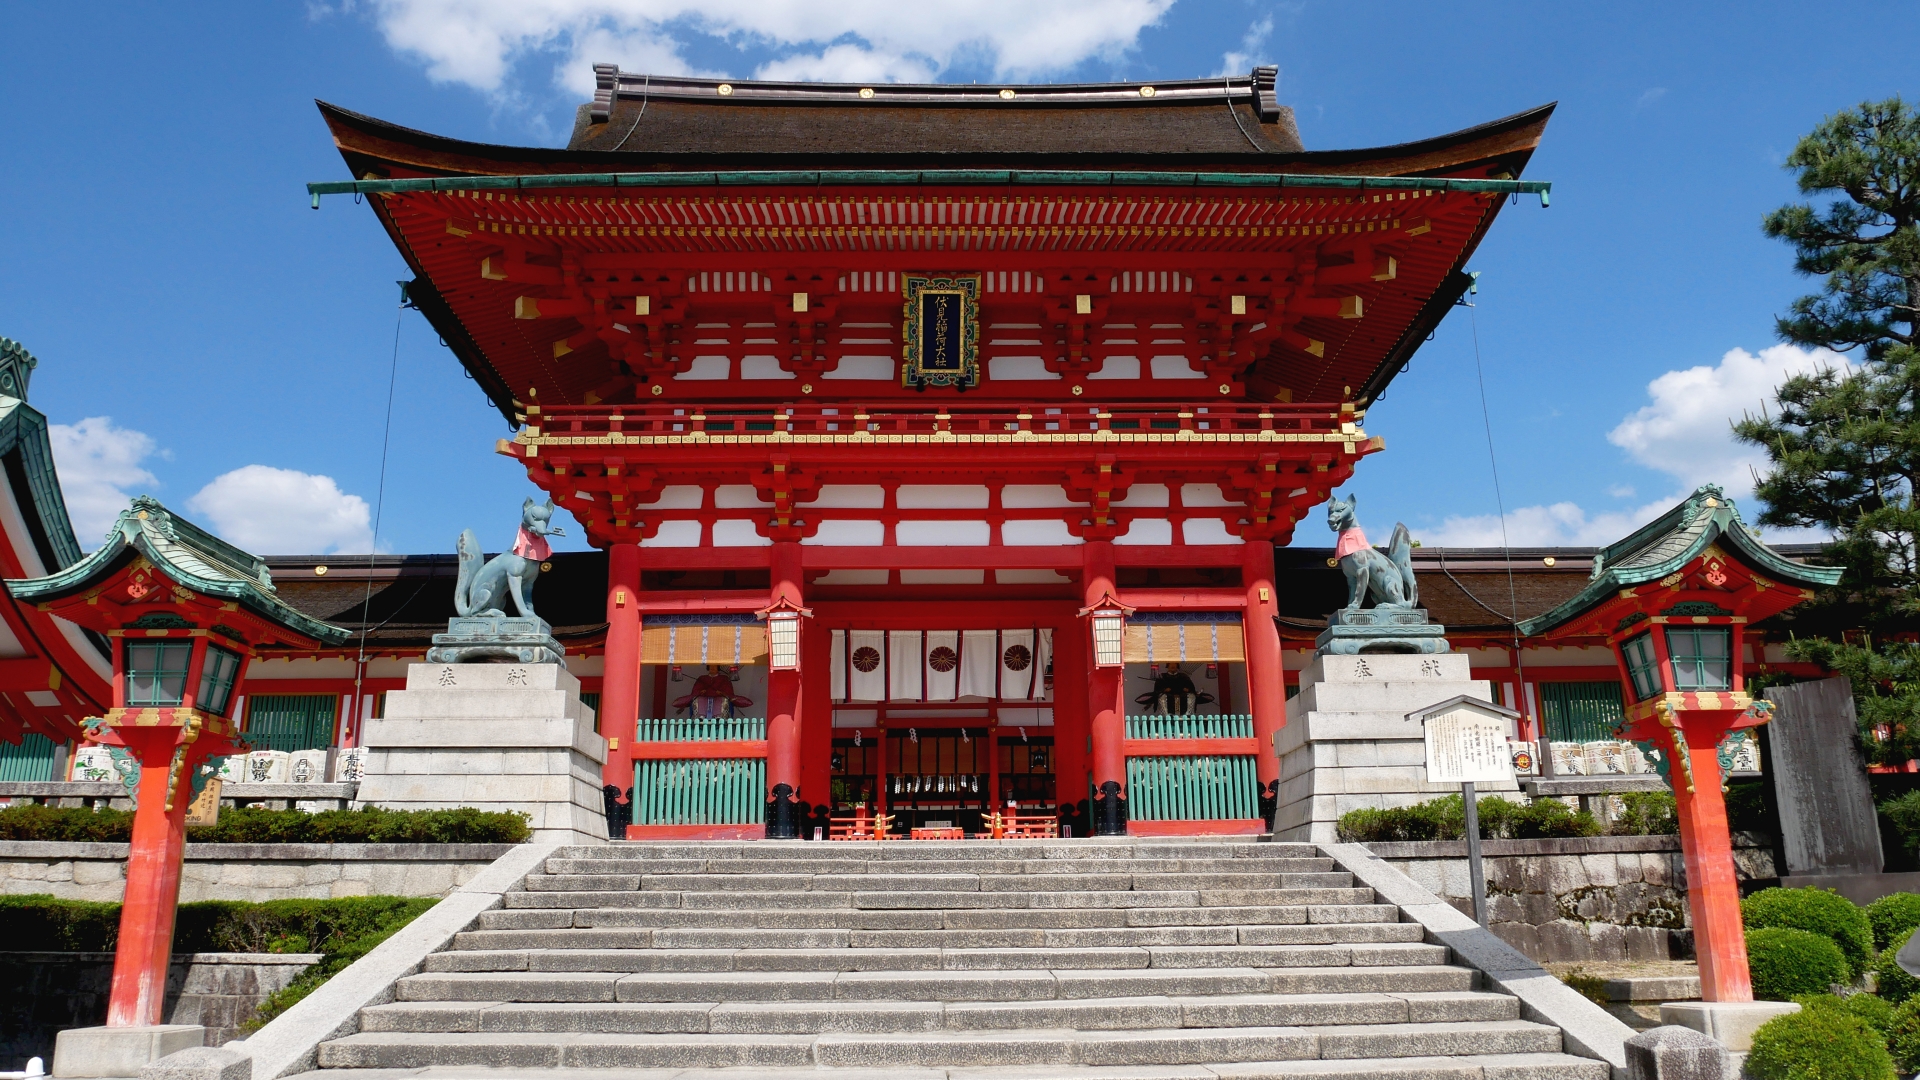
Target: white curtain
{"type": "Point", "coordinates": [906, 664]}
{"type": "Point", "coordinates": [866, 649]}
{"type": "Point", "coordinates": [980, 664]}
{"type": "Point", "coordinates": [943, 650]}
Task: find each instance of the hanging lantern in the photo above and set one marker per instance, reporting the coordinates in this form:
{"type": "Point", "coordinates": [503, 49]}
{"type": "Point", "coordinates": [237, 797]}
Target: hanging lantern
{"type": "Point", "coordinates": [1213, 672]}
{"type": "Point", "coordinates": [1107, 619]}
{"type": "Point", "coordinates": [783, 634]}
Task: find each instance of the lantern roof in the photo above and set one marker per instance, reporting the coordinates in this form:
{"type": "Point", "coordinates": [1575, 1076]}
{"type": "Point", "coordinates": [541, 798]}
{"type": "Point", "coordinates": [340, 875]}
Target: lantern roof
{"type": "Point", "coordinates": [196, 561]}
{"type": "Point", "coordinates": [1670, 545]}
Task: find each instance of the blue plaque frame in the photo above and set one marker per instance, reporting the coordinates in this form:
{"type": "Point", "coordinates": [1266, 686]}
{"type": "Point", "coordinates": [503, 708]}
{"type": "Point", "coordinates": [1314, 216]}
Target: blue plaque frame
{"type": "Point", "coordinates": [940, 335]}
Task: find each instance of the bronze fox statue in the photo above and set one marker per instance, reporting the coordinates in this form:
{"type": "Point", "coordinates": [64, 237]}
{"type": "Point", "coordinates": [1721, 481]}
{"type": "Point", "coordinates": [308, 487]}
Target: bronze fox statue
{"type": "Point", "coordinates": [1386, 580]}
{"type": "Point", "coordinates": [483, 589]}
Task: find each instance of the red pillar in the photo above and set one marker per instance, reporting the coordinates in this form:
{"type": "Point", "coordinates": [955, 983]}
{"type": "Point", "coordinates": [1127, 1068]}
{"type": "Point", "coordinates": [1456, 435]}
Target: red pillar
{"type": "Point", "coordinates": [1713, 889]}
{"type": "Point", "coordinates": [1106, 716]}
{"type": "Point", "coordinates": [153, 880]}
{"type": "Point", "coordinates": [620, 687]}
{"type": "Point", "coordinates": [783, 706]}
{"type": "Point", "coordinates": [1266, 683]}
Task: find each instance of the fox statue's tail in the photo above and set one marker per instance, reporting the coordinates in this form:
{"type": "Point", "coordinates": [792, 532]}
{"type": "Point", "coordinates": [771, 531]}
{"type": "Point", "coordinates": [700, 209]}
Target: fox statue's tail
{"type": "Point", "coordinates": [470, 562]}
{"type": "Point", "coordinates": [1400, 552]}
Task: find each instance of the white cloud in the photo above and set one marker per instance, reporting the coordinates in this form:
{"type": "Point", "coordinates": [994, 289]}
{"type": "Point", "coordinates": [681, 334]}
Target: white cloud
{"type": "Point", "coordinates": [1652, 95]}
{"type": "Point", "coordinates": [99, 466]}
{"type": "Point", "coordinates": [478, 43]}
{"type": "Point", "coordinates": [1685, 432]}
{"type": "Point", "coordinates": [1241, 60]}
{"type": "Point", "coordinates": [270, 511]}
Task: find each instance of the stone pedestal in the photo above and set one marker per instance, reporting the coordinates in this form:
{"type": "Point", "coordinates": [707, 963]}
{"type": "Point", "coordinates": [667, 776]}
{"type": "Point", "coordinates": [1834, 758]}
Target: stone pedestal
{"type": "Point", "coordinates": [1731, 1022]}
{"type": "Point", "coordinates": [120, 1051]}
{"type": "Point", "coordinates": [1348, 743]}
{"type": "Point", "coordinates": [494, 737]}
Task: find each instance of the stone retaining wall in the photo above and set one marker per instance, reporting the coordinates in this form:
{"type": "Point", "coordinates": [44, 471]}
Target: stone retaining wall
{"type": "Point", "coordinates": [250, 871]}
{"type": "Point", "coordinates": [43, 993]}
{"type": "Point", "coordinates": [1599, 898]}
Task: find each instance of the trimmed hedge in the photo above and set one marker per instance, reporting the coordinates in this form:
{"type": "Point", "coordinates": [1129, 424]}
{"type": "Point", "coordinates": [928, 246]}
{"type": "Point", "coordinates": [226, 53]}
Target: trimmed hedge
{"type": "Point", "coordinates": [1903, 1037]}
{"type": "Point", "coordinates": [1788, 963]}
{"type": "Point", "coordinates": [1446, 819]}
{"type": "Point", "coordinates": [1821, 911]}
{"type": "Point", "coordinates": [367, 825]}
{"type": "Point", "coordinates": [1646, 813]}
{"type": "Point", "coordinates": [1893, 917]}
{"type": "Point", "coordinates": [1876, 1012]}
{"type": "Point", "coordinates": [208, 925]}
{"type": "Point", "coordinates": [1818, 1044]}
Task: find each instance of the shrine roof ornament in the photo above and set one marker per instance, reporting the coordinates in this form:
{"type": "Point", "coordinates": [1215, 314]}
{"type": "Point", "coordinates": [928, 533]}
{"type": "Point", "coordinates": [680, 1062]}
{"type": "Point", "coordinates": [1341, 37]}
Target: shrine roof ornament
{"type": "Point", "coordinates": [1666, 548]}
{"type": "Point", "coordinates": [194, 559]}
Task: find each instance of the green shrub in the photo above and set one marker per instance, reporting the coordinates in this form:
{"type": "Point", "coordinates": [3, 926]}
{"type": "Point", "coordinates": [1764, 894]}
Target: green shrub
{"type": "Point", "coordinates": [1892, 917]}
{"type": "Point", "coordinates": [41, 921]}
{"type": "Point", "coordinates": [1903, 1036]}
{"type": "Point", "coordinates": [1647, 813]}
{"type": "Point", "coordinates": [1821, 911]}
{"type": "Point", "coordinates": [209, 925]}
{"type": "Point", "coordinates": [1787, 963]}
{"type": "Point", "coordinates": [1876, 1012]}
{"type": "Point", "coordinates": [1818, 1044]}
{"type": "Point", "coordinates": [1893, 981]}
{"type": "Point", "coordinates": [70, 824]}
{"type": "Point", "coordinates": [338, 952]}
{"type": "Point", "coordinates": [1446, 819]}
{"type": "Point", "coordinates": [1591, 987]}
{"type": "Point", "coordinates": [368, 825]}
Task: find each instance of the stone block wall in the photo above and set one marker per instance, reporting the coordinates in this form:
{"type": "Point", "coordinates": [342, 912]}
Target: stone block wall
{"type": "Point", "coordinates": [43, 993]}
{"type": "Point", "coordinates": [1600, 899]}
{"type": "Point", "coordinates": [250, 871]}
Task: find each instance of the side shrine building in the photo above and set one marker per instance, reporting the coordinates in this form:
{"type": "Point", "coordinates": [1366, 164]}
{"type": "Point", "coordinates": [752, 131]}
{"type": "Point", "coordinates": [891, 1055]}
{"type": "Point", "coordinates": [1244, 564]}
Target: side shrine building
{"type": "Point", "coordinates": [942, 446]}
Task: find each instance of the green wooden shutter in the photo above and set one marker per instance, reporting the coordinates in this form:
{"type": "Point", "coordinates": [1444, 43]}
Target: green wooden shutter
{"type": "Point", "coordinates": [31, 760]}
{"type": "Point", "coordinates": [1581, 711]}
{"type": "Point", "coordinates": [1209, 788]}
{"type": "Point", "coordinates": [291, 721]}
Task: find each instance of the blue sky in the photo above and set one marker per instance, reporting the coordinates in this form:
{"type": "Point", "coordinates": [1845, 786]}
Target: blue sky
{"type": "Point", "coordinates": [206, 337]}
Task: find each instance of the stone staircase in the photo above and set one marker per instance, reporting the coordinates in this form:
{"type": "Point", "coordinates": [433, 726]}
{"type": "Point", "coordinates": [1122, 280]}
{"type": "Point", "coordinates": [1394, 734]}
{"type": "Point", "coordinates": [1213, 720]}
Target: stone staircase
{"type": "Point", "coordinates": [1152, 960]}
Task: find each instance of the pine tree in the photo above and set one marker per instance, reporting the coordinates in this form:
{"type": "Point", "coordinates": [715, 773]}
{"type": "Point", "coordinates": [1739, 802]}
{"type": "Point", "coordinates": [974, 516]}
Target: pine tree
{"type": "Point", "coordinates": [1844, 443]}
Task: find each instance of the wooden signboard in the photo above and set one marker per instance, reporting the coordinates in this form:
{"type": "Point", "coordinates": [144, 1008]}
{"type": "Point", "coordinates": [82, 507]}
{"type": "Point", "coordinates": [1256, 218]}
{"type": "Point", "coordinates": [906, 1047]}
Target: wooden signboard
{"type": "Point", "coordinates": [205, 809]}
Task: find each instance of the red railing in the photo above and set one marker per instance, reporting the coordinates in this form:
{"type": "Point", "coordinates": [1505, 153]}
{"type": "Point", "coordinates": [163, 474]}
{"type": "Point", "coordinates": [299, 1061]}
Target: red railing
{"type": "Point", "coordinates": [958, 419]}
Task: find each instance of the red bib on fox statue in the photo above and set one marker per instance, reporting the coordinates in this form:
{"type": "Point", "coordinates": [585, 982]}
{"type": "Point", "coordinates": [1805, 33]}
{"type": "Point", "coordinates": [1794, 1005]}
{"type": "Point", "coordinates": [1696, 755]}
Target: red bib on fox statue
{"type": "Point", "coordinates": [1351, 540]}
{"type": "Point", "coordinates": [527, 545]}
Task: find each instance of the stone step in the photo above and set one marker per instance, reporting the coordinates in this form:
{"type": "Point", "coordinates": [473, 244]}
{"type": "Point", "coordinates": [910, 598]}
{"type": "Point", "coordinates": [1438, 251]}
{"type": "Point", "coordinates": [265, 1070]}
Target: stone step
{"type": "Point", "coordinates": [931, 985]}
{"type": "Point", "coordinates": [968, 865]}
{"type": "Point", "coordinates": [909, 959]}
{"type": "Point", "coordinates": [943, 881]}
{"type": "Point", "coordinates": [957, 919]}
{"type": "Point", "coordinates": [1167, 1046]}
{"type": "Point", "coordinates": [1071, 848]}
{"type": "Point", "coordinates": [1474, 1067]}
{"type": "Point", "coordinates": [709, 937]}
{"type": "Point", "coordinates": [939, 900]}
{"type": "Point", "coordinates": [804, 1017]}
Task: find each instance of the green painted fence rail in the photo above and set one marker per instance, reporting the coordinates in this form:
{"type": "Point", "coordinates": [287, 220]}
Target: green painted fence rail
{"type": "Point", "coordinates": [701, 729]}
{"type": "Point", "coordinates": [1581, 711]}
{"type": "Point", "coordinates": [1192, 788]}
{"type": "Point", "coordinates": [1229, 726]}
{"type": "Point", "coordinates": [714, 791]}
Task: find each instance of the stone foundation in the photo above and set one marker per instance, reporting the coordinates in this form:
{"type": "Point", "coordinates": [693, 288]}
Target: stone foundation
{"type": "Point", "coordinates": [1598, 899]}
{"type": "Point", "coordinates": [499, 736]}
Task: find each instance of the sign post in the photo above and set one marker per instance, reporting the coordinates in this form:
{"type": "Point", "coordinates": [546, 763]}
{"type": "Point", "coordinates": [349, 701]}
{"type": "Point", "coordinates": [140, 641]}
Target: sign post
{"type": "Point", "coordinates": [1467, 743]}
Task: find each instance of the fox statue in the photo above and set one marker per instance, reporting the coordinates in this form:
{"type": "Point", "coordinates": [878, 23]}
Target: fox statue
{"type": "Point", "coordinates": [1385, 580]}
{"type": "Point", "coordinates": [483, 589]}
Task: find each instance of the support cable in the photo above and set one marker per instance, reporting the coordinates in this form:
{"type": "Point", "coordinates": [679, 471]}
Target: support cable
{"type": "Point", "coordinates": [1499, 503]}
{"type": "Point", "coordinates": [379, 506]}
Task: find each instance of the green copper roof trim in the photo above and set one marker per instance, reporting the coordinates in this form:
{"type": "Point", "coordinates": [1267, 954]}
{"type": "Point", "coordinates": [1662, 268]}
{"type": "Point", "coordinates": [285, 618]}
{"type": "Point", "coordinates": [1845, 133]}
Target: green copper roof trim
{"type": "Point", "coordinates": [23, 429]}
{"type": "Point", "coordinates": [1671, 541]}
{"type": "Point", "coordinates": [815, 178]}
{"type": "Point", "coordinates": [189, 555]}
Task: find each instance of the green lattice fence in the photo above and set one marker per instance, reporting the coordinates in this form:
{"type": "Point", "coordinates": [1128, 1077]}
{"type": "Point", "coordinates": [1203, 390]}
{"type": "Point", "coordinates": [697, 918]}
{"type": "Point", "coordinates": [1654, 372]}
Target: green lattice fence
{"type": "Point", "coordinates": [1231, 726]}
{"type": "Point", "coordinates": [31, 759]}
{"type": "Point", "coordinates": [291, 721]}
{"type": "Point", "coordinates": [1580, 711]}
{"type": "Point", "coordinates": [1200, 788]}
{"type": "Point", "coordinates": [700, 729]}
{"type": "Point", "coordinates": [719, 791]}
